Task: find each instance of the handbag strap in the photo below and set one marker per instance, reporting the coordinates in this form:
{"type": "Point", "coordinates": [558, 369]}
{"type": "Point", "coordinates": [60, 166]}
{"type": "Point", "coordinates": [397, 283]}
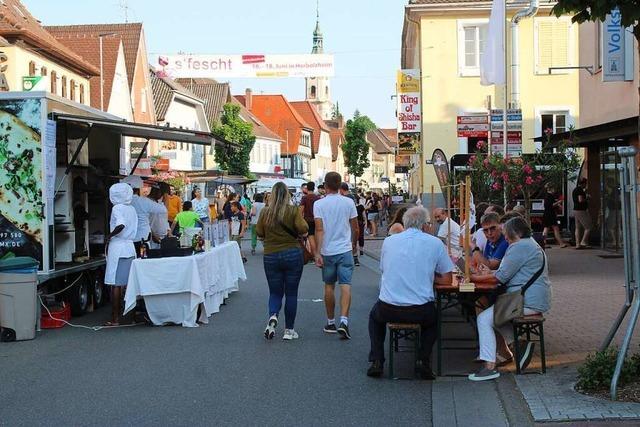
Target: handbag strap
{"type": "Point", "coordinates": [535, 276]}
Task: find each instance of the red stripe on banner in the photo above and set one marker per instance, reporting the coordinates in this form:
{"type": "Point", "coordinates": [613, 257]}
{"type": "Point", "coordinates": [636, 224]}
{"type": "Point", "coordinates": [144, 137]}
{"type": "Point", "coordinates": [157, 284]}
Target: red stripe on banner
{"type": "Point", "coordinates": [252, 59]}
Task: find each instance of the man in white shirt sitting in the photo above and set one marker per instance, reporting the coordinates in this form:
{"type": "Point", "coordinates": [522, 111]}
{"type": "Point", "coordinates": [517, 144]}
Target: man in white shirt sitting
{"type": "Point", "coordinates": [448, 231]}
{"type": "Point", "coordinates": [412, 262]}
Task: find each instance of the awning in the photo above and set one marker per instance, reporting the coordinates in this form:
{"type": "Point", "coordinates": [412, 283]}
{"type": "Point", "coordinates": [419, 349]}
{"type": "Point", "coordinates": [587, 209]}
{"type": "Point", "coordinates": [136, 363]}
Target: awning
{"type": "Point", "coordinates": [141, 130]}
{"type": "Point", "coordinates": [616, 132]}
{"type": "Point", "coordinates": [217, 177]}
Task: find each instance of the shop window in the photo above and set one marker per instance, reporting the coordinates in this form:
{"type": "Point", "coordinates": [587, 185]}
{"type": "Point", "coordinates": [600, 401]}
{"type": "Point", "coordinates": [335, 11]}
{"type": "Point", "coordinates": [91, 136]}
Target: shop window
{"type": "Point", "coordinates": [54, 83]}
{"type": "Point", "coordinates": [553, 45]}
{"type": "Point", "coordinates": [43, 71]}
{"type": "Point", "coordinates": [64, 86]}
{"type": "Point", "coordinates": [81, 94]}
{"type": "Point", "coordinates": [472, 35]}
{"type": "Point", "coordinates": [32, 68]}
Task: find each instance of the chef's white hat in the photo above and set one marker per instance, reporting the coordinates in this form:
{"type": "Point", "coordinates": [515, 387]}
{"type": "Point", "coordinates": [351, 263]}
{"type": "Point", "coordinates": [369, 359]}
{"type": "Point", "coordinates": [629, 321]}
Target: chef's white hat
{"type": "Point", "coordinates": [120, 194]}
{"type": "Point", "coordinates": [134, 181]}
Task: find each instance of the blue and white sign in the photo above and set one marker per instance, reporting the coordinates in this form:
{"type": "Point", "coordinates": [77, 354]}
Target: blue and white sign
{"type": "Point", "coordinates": [617, 49]}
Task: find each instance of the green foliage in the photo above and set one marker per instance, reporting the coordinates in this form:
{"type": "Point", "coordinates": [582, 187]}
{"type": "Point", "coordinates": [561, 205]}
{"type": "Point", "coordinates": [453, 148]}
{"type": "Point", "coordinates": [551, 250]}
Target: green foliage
{"type": "Point", "coordinates": [596, 372]}
{"type": "Point", "coordinates": [335, 112]}
{"type": "Point", "coordinates": [234, 160]}
{"type": "Point", "coordinates": [597, 10]}
{"type": "Point", "coordinates": [356, 147]}
{"type": "Point", "coordinates": [492, 175]}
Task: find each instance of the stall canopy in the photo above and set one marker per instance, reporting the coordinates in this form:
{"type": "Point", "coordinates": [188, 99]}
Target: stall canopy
{"type": "Point", "coordinates": [140, 130]}
{"type": "Point", "coordinates": [217, 177]}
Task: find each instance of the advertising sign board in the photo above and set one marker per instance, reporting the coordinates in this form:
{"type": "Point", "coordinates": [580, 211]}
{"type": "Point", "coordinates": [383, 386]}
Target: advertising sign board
{"type": "Point", "coordinates": [409, 112]}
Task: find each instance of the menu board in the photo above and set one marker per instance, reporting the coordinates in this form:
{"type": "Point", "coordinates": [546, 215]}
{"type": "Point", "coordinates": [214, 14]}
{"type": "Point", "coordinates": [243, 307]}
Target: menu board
{"type": "Point", "coordinates": [21, 178]}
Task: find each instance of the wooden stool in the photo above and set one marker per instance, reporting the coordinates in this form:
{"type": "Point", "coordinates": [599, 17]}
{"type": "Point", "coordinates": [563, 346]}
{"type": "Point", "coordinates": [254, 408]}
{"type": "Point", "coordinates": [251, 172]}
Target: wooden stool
{"type": "Point", "coordinates": [527, 326]}
{"type": "Point", "coordinates": [408, 331]}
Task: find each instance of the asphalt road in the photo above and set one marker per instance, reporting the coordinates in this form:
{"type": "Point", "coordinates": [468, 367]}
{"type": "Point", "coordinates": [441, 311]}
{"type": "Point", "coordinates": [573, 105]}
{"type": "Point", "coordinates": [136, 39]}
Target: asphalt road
{"type": "Point", "coordinates": [224, 373]}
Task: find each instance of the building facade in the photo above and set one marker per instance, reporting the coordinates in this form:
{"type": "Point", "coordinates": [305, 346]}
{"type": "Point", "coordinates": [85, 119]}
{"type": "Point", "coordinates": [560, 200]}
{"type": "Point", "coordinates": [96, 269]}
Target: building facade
{"type": "Point", "coordinates": [177, 107]}
{"type": "Point", "coordinates": [445, 41]}
{"type": "Point", "coordinates": [321, 162]}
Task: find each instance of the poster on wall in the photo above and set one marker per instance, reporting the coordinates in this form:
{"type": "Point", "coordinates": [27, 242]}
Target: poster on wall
{"type": "Point", "coordinates": [21, 190]}
{"type": "Point", "coordinates": [409, 112]}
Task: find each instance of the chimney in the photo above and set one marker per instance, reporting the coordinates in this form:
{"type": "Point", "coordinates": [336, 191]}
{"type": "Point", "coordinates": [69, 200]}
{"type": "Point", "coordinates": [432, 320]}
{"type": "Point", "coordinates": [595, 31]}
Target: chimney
{"type": "Point", "coordinates": [248, 99]}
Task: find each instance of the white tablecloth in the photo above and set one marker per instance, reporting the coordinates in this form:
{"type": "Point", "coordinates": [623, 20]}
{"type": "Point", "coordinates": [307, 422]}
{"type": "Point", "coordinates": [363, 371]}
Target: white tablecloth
{"type": "Point", "coordinates": [173, 288]}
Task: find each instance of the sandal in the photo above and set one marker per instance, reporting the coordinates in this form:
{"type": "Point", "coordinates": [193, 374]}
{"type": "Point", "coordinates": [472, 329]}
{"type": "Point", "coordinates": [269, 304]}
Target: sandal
{"type": "Point", "coordinates": [111, 324]}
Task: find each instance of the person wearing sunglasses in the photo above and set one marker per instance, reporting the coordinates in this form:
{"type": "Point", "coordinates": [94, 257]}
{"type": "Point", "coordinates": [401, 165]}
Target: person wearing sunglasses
{"type": "Point", "coordinates": [496, 245]}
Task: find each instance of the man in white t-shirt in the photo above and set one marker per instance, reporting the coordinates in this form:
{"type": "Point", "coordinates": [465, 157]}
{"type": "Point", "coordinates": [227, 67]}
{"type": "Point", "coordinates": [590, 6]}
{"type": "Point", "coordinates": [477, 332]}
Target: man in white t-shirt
{"type": "Point", "coordinates": [336, 231]}
{"type": "Point", "coordinates": [448, 231]}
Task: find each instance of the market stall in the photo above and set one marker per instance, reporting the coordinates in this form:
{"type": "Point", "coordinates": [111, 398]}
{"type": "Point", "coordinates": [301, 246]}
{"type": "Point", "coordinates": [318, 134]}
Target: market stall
{"type": "Point", "coordinates": [205, 280]}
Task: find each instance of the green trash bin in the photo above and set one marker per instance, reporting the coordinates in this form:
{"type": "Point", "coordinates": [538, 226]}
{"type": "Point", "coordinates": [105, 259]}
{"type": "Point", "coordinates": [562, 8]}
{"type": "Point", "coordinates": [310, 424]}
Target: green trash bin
{"type": "Point", "coordinates": [18, 298]}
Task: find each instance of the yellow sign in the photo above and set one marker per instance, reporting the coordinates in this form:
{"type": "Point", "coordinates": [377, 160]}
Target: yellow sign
{"type": "Point", "coordinates": [408, 81]}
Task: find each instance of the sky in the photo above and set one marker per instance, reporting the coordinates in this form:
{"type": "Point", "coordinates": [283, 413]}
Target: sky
{"type": "Point", "coordinates": [363, 35]}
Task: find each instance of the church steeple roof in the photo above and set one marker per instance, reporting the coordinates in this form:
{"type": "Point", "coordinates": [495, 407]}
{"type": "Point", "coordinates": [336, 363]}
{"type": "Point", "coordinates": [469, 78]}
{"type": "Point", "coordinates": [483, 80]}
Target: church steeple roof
{"type": "Point", "coordinates": [317, 33]}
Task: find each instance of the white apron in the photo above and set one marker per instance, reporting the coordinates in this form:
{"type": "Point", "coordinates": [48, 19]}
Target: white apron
{"type": "Point", "coordinates": [118, 248]}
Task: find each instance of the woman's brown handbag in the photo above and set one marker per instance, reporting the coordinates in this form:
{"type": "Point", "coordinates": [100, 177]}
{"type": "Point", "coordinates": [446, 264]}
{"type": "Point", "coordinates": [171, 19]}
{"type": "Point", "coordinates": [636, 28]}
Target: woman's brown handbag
{"type": "Point", "coordinates": [307, 255]}
{"type": "Point", "coordinates": [510, 305]}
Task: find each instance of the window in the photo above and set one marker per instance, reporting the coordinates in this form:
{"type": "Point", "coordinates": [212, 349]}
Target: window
{"type": "Point", "coordinates": [72, 90]}
{"type": "Point", "coordinates": [81, 94]}
{"type": "Point", "coordinates": [326, 91]}
{"type": "Point", "coordinates": [54, 83]}
{"type": "Point", "coordinates": [32, 68]}
{"type": "Point", "coordinates": [557, 121]}
{"type": "Point", "coordinates": [553, 46]}
{"type": "Point", "coordinates": [313, 92]}
{"type": "Point", "coordinates": [472, 35]}
{"type": "Point", "coordinates": [43, 71]}
{"type": "Point", "coordinates": [64, 87]}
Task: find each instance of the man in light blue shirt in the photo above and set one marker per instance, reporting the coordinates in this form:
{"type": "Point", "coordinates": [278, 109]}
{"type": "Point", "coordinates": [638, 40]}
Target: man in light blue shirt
{"type": "Point", "coordinates": [412, 262]}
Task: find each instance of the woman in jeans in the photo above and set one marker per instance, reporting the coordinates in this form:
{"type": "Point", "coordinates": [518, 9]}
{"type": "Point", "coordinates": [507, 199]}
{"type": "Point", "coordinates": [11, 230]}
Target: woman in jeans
{"type": "Point", "coordinates": [521, 262]}
{"type": "Point", "coordinates": [278, 225]}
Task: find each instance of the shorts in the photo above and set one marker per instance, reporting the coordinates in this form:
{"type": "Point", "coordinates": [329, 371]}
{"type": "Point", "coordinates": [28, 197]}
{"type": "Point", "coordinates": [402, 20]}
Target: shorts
{"type": "Point", "coordinates": [312, 227]}
{"type": "Point", "coordinates": [372, 216]}
{"type": "Point", "coordinates": [337, 268]}
{"type": "Point", "coordinates": [583, 219]}
{"type": "Point", "coordinates": [122, 271]}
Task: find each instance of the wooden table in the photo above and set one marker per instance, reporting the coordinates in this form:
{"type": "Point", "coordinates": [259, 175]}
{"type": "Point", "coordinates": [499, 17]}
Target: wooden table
{"type": "Point", "coordinates": [468, 299]}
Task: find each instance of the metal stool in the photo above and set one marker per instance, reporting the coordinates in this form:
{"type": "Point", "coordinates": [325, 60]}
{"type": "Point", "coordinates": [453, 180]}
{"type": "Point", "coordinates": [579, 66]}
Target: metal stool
{"type": "Point", "coordinates": [408, 331]}
{"type": "Point", "coordinates": [527, 326]}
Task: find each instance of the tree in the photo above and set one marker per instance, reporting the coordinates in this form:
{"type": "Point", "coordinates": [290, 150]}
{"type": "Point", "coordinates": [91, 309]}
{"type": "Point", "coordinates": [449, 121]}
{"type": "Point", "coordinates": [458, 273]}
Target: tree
{"type": "Point", "coordinates": [597, 10]}
{"type": "Point", "coordinates": [356, 147]}
{"type": "Point", "coordinates": [335, 112]}
{"type": "Point", "coordinates": [235, 160]}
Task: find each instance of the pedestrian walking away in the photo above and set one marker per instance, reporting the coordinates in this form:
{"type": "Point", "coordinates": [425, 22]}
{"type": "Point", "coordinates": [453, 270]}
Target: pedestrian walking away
{"type": "Point", "coordinates": [278, 226]}
{"type": "Point", "coordinates": [550, 216]}
{"type": "Point", "coordinates": [256, 209]}
{"type": "Point", "coordinates": [336, 237]}
{"type": "Point", "coordinates": [581, 214]}
{"type": "Point", "coordinates": [306, 208]}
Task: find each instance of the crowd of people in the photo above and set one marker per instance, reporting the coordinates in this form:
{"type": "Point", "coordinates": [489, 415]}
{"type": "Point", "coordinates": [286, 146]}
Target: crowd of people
{"type": "Point", "coordinates": [417, 255]}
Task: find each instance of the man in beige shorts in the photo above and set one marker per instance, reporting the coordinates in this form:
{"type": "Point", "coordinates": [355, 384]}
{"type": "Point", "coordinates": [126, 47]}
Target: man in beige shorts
{"type": "Point", "coordinates": [581, 214]}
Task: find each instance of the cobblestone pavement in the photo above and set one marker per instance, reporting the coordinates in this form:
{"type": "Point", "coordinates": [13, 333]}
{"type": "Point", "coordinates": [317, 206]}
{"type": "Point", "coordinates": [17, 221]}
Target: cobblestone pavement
{"type": "Point", "coordinates": [552, 397]}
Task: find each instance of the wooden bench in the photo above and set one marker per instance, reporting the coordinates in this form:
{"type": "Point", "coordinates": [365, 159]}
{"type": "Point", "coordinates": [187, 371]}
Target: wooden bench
{"type": "Point", "coordinates": [409, 332]}
{"type": "Point", "coordinates": [526, 326]}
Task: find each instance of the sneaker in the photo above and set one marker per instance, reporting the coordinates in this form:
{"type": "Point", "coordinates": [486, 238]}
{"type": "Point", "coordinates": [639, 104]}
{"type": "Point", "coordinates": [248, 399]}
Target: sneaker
{"type": "Point", "coordinates": [343, 330]}
{"type": "Point", "coordinates": [375, 370]}
{"type": "Point", "coordinates": [290, 334]}
{"type": "Point", "coordinates": [270, 330]}
{"type": "Point", "coordinates": [527, 354]}
{"type": "Point", "coordinates": [484, 374]}
{"type": "Point", "coordinates": [244, 260]}
{"type": "Point", "coordinates": [330, 329]}
{"type": "Point", "coordinates": [361, 252]}
{"type": "Point", "coordinates": [356, 261]}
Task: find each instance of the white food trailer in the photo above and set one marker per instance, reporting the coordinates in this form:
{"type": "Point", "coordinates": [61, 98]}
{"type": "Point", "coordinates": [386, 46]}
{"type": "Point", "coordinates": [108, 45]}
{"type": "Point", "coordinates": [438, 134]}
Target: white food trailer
{"type": "Point", "coordinates": [58, 159]}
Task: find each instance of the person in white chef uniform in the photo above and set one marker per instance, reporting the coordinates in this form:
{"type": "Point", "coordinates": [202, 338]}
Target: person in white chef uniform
{"type": "Point", "coordinates": [121, 252]}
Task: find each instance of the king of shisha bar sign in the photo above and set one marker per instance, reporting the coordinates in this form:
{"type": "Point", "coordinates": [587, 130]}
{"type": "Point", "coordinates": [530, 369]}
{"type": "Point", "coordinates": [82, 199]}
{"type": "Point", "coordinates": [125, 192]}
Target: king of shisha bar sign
{"type": "Point", "coordinates": [409, 112]}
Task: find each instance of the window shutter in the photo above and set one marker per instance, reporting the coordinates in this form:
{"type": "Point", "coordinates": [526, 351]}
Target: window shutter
{"type": "Point", "coordinates": [553, 44]}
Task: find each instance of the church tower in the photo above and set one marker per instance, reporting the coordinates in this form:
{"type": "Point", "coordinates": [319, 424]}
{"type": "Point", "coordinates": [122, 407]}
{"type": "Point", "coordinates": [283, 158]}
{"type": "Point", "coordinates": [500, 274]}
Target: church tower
{"type": "Point", "coordinates": [318, 90]}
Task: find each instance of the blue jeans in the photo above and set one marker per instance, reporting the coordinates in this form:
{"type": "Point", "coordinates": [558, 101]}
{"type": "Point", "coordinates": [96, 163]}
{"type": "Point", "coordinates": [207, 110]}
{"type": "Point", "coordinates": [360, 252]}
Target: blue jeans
{"type": "Point", "coordinates": [283, 270]}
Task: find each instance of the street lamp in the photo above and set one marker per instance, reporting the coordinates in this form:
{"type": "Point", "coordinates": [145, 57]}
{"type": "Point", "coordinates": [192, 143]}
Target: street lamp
{"type": "Point", "coordinates": [100, 36]}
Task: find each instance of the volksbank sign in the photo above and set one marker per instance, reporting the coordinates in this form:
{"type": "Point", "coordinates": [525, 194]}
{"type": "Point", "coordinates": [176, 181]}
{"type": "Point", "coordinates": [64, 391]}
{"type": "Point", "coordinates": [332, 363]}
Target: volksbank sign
{"type": "Point", "coordinates": [617, 49]}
